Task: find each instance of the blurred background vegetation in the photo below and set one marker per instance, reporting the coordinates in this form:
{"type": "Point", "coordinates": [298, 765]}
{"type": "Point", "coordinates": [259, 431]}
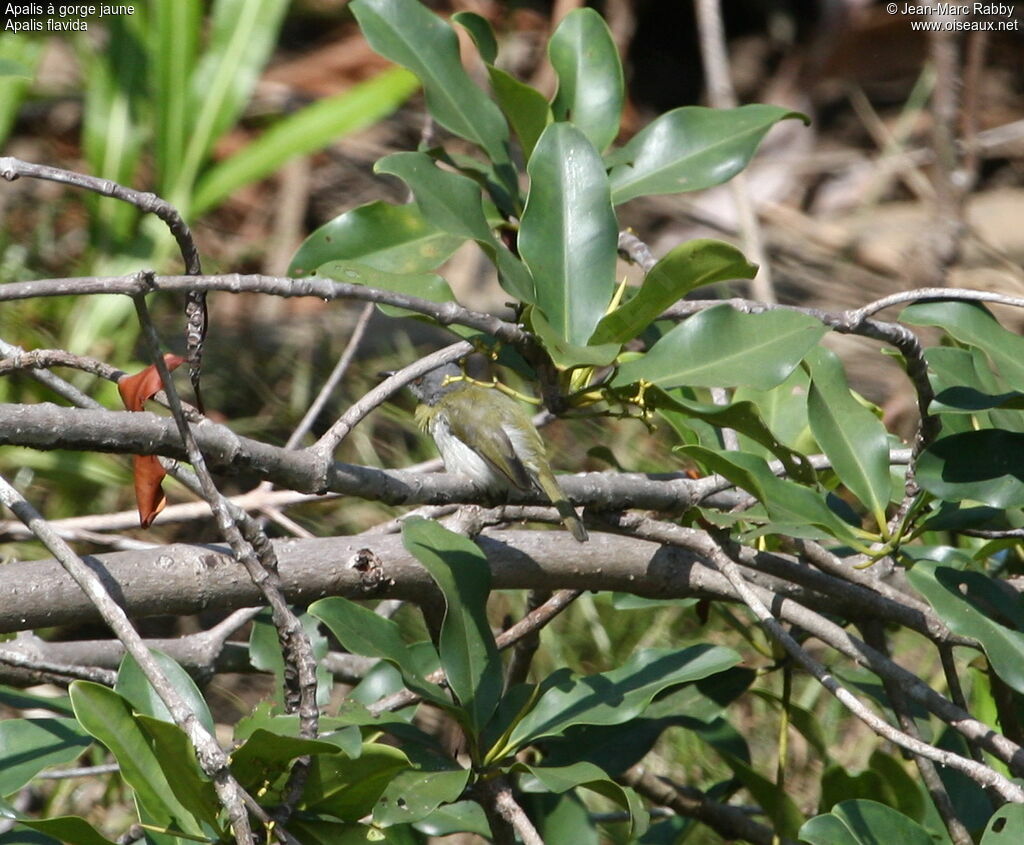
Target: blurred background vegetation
{"type": "Point", "coordinates": [261, 120]}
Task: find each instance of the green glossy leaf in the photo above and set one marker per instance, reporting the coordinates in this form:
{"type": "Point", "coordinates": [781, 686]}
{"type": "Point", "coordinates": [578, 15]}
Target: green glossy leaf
{"type": "Point", "coordinates": [410, 35]}
{"type": "Point", "coordinates": [27, 746]}
{"type": "Point", "coordinates": [688, 266]}
{"type": "Point", "coordinates": [324, 832]}
{"type": "Point", "coordinates": [973, 325]}
{"type": "Point", "coordinates": [588, 776]}
{"type": "Point", "coordinates": [743, 417]}
{"type": "Point", "coordinates": [364, 632]}
{"type": "Point", "coordinates": [1006, 827]}
{"type": "Point", "coordinates": [565, 355]}
{"type": "Point", "coordinates": [108, 717]}
{"type": "Point", "coordinates": [616, 696]}
{"type": "Point", "coordinates": [569, 236]}
{"type": "Point", "coordinates": [853, 438]}
{"type": "Point", "coordinates": [62, 830]}
{"type": "Point", "coordinates": [459, 817]}
{"type": "Point", "coordinates": [392, 238]}
{"type": "Point", "coordinates": [689, 149]}
{"type": "Point", "coordinates": [414, 794]}
{"type": "Point", "coordinates": [783, 409]}
{"type": "Point", "coordinates": [786, 502]}
{"type": "Point", "coordinates": [722, 347]}
{"type": "Point", "coordinates": [428, 286]}
{"type": "Point", "coordinates": [861, 822]}
{"type": "Point", "coordinates": [469, 654]}
{"type": "Point", "coordinates": [984, 466]}
{"type": "Point", "coordinates": [264, 756]}
{"type": "Point", "coordinates": [19, 699]}
{"type": "Point", "coordinates": [349, 789]}
{"type": "Point", "coordinates": [615, 748]}
{"type": "Point", "coordinates": [306, 131]}
{"type": "Point", "coordinates": [973, 605]}
{"type": "Point", "coordinates": [590, 85]}
{"type": "Point", "coordinates": [454, 203]}
{"type": "Point", "coordinates": [481, 32]}
{"type": "Point", "coordinates": [524, 106]}
{"type": "Point", "coordinates": [133, 686]}
{"type": "Point", "coordinates": [173, 31]}
{"type": "Point", "coordinates": [177, 758]}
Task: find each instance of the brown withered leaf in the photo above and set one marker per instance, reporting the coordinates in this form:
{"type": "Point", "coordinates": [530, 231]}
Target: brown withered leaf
{"type": "Point", "coordinates": [135, 391]}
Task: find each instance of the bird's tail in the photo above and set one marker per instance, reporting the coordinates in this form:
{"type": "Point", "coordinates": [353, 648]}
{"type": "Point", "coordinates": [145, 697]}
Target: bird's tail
{"type": "Point", "coordinates": [564, 507]}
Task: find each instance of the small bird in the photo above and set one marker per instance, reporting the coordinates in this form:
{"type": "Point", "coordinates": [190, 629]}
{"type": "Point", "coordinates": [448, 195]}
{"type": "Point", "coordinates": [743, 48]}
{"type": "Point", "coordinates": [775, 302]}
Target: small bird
{"type": "Point", "coordinates": [485, 435]}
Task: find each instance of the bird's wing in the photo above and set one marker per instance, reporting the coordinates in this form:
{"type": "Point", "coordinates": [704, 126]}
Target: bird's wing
{"type": "Point", "coordinates": [492, 444]}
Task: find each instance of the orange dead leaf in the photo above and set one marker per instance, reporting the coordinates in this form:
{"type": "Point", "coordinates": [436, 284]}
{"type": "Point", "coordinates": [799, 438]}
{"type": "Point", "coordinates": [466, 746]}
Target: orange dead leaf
{"type": "Point", "coordinates": [135, 391]}
{"type": "Point", "coordinates": [138, 389]}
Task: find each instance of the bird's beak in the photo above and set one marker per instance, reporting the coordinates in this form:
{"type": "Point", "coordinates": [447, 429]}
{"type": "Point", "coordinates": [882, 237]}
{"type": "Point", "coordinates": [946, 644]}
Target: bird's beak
{"type": "Point", "coordinates": [383, 374]}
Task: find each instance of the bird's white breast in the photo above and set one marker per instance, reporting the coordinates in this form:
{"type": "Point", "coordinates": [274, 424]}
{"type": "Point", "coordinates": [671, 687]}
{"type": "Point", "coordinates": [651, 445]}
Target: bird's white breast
{"type": "Point", "coordinates": [459, 458]}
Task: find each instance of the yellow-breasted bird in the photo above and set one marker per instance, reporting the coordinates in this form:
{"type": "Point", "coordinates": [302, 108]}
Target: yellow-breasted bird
{"type": "Point", "coordinates": [487, 436]}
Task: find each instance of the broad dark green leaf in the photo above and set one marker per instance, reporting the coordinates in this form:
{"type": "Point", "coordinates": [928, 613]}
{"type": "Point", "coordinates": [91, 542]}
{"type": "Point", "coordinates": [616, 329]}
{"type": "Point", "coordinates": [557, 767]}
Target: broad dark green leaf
{"type": "Point", "coordinates": [364, 632]}
{"type": "Point", "coordinates": [588, 776]}
{"type": "Point", "coordinates": [177, 758]}
{"type": "Point", "coordinates": [722, 347]}
{"type": "Point", "coordinates": [264, 756]}
{"type": "Point", "coordinates": [407, 33]}
{"type": "Point", "coordinates": [305, 131]}
{"type": "Point", "coordinates": [481, 32]}
{"type": "Point", "coordinates": [590, 85]}
{"type": "Point", "coordinates": [689, 149]}
{"type": "Point", "coordinates": [567, 355]}
{"type": "Point", "coordinates": [984, 466]}
{"type": "Point", "coordinates": [59, 830]}
{"type": "Point", "coordinates": [562, 818]}
{"type": "Point", "coordinates": [783, 409]}
{"type": "Point", "coordinates": [23, 700]}
{"type": "Point", "coordinates": [1006, 827]}
{"type": "Point", "coordinates": [453, 203]}
{"type": "Point", "coordinates": [743, 417]}
{"type": "Point", "coordinates": [861, 822]}
{"type": "Point", "coordinates": [973, 605]}
{"type": "Point", "coordinates": [569, 235]}
{"type": "Point", "coordinates": [27, 746]}
{"type": "Point", "coordinates": [973, 325]}
{"type": "Point", "coordinates": [414, 794]}
{"type": "Point", "coordinates": [459, 817]}
{"type": "Point", "coordinates": [392, 238]}
{"type": "Point", "coordinates": [801, 510]}
{"type": "Point", "coordinates": [616, 696]}
{"type": "Point", "coordinates": [325, 832]}
{"type": "Point", "coordinates": [524, 106]}
{"type": "Point", "coordinates": [468, 652]}
{"type": "Point", "coordinates": [853, 438]}
{"type": "Point", "coordinates": [108, 717]}
{"type": "Point", "coordinates": [349, 789]}
{"type": "Point", "coordinates": [688, 266]}
{"type": "Point", "coordinates": [428, 286]}
{"type": "Point", "coordinates": [615, 748]}
{"type": "Point", "coordinates": [132, 684]}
